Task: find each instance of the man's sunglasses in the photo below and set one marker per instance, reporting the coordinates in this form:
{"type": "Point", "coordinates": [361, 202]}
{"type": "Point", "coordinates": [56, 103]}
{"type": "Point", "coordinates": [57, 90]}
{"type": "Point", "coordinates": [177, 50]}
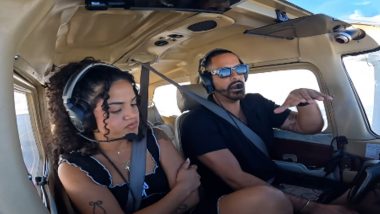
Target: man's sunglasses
{"type": "Point", "coordinates": [227, 71]}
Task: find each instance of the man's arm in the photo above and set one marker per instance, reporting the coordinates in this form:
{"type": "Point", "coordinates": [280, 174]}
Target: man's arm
{"type": "Point", "coordinates": [308, 119]}
{"type": "Point", "coordinates": [225, 165]}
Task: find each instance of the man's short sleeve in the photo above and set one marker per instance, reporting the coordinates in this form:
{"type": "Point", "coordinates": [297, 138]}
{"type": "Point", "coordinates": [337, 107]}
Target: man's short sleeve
{"type": "Point", "coordinates": [200, 134]}
{"type": "Point", "coordinates": [265, 106]}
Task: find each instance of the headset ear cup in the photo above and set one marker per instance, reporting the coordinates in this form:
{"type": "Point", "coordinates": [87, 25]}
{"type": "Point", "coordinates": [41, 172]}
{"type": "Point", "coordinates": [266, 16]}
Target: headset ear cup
{"type": "Point", "coordinates": [207, 82]}
{"type": "Point", "coordinates": [86, 116]}
{"type": "Point", "coordinates": [76, 117]}
{"type": "Point", "coordinates": [89, 122]}
{"type": "Point", "coordinates": [82, 117]}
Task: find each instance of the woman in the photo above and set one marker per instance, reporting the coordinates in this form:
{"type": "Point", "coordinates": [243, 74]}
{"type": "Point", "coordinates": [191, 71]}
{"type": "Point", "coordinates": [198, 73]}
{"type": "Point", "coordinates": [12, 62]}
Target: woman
{"type": "Point", "coordinates": [94, 156]}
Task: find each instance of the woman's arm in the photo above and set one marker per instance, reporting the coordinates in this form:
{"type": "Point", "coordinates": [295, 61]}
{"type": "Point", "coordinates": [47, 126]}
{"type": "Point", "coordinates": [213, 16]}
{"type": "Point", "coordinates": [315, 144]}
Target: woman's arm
{"type": "Point", "coordinates": [183, 180]}
{"type": "Point", "coordinates": [91, 198]}
{"type": "Point", "coordinates": [180, 197]}
{"type": "Point", "coordinates": [87, 196]}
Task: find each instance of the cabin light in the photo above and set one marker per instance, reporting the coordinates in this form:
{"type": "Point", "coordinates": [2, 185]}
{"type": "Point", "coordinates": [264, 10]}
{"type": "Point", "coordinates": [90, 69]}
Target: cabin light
{"type": "Point", "coordinates": [344, 35]}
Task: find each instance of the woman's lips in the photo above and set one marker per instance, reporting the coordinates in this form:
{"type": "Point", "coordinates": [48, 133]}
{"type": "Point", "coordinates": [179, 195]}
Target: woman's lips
{"type": "Point", "coordinates": [132, 126]}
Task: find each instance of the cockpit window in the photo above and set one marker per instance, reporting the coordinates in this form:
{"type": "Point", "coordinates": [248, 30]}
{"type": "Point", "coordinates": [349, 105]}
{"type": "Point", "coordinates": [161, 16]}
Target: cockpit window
{"type": "Point", "coordinates": [364, 71]}
{"type": "Point", "coordinates": [276, 85]}
{"type": "Point", "coordinates": [26, 134]}
{"type": "Point", "coordinates": [165, 99]}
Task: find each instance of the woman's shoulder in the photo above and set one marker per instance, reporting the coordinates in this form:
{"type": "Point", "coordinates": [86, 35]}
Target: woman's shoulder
{"type": "Point", "coordinates": [73, 155]}
{"type": "Point", "coordinates": [78, 163]}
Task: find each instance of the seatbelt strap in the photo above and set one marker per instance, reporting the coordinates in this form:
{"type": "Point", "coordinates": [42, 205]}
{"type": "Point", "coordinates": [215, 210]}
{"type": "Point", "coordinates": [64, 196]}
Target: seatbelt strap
{"type": "Point", "coordinates": [138, 156]}
{"type": "Point", "coordinates": [247, 132]}
{"type": "Point", "coordinates": [137, 174]}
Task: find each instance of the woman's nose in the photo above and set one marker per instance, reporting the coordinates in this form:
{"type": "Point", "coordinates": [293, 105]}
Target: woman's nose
{"type": "Point", "coordinates": [129, 113]}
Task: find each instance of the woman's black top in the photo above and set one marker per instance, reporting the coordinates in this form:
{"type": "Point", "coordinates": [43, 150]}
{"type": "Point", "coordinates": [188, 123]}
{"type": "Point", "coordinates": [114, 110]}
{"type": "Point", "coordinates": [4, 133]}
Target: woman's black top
{"type": "Point", "coordinates": [156, 185]}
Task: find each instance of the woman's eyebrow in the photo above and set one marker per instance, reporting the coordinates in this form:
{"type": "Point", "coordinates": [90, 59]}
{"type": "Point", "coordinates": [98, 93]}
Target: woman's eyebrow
{"type": "Point", "coordinates": [121, 102]}
{"type": "Point", "coordinates": [116, 103]}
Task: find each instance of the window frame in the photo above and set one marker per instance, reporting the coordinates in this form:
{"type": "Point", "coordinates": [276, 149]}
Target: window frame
{"type": "Point", "coordinates": [23, 86]}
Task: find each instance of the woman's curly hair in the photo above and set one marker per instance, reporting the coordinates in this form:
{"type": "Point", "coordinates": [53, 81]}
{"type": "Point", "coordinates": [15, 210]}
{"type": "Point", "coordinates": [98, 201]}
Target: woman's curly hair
{"type": "Point", "coordinates": [93, 86]}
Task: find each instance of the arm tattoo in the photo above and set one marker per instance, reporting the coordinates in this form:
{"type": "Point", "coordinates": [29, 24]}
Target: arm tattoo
{"type": "Point", "coordinates": [291, 122]}
{"type": "Point", "coordinates": [96, 205]}
{"type": "Point", "coordinates": [182, 208]}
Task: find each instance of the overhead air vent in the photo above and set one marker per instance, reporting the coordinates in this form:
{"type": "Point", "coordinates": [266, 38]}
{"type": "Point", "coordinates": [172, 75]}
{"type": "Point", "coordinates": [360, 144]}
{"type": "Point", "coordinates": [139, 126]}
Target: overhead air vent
{"type": "Point", "coordinates": [175, 36]}
{"type": "Point", "coordinates": [203, 26]}
{"type": "Point", "coordinates": [161, 43]}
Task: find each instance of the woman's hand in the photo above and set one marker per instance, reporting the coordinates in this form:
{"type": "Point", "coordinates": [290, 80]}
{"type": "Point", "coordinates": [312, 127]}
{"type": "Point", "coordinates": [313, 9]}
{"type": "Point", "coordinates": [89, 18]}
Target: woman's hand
{"type": "Point", "coordinates": [188, 180]}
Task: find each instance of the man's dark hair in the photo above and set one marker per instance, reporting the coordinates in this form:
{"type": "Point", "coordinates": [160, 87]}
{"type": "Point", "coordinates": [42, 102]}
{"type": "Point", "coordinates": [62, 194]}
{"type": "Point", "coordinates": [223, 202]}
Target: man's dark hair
{"type": "Point", "coordinates": [206, 60]}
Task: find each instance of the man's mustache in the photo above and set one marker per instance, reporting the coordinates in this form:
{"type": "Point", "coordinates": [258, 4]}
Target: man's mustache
{"type": "Point", "coordinates": [236, 85]}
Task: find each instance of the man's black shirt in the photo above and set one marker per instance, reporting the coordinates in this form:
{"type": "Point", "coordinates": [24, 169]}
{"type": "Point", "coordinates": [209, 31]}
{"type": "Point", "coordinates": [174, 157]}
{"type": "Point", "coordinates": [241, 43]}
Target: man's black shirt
{"type": "Point", "coordinates": [204, 132]}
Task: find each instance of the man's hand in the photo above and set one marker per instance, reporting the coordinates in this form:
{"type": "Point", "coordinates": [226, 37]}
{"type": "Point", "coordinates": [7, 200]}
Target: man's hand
{"type": "Point", "coordinates": [301, 95]}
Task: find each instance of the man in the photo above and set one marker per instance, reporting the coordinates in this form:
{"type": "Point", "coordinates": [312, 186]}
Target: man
{"type": "Point", "coordinates": [226, 159]}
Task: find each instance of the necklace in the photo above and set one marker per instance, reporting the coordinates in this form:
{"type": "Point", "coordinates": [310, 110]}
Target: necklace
{"type": "Point", "coordinates": [125, 164]}
{"type": "Point", "coordinates": [114, 166]}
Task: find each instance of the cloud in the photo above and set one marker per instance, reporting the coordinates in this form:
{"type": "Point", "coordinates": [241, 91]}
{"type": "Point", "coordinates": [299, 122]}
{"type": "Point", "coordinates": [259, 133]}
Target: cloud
{"type": "Point", "coordinates": [362, 3]}
{"type": "Point", "coordinates": [357, 16]}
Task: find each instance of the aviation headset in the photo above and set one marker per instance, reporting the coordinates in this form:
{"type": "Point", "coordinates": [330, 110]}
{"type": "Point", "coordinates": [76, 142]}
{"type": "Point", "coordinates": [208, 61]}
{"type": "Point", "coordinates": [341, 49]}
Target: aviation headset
{"type": "Point", "coordinates": [205, 75]}
{"type": "Point", "coordinates": [79, 110]}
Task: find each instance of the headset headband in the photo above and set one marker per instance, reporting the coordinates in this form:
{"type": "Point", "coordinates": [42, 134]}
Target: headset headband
{"type": "Point", "coordinates": [71, 83]}
{"type": "Point", "coordinates": [202, 62]}
{"type": "Point", "coordinates": [78, 109]}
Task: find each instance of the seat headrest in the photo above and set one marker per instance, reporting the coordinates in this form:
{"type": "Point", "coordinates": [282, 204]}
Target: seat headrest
{"type": "Point", "coordinates": [154, 116]}
{"type": "Point", "coordinates": [186, 103]}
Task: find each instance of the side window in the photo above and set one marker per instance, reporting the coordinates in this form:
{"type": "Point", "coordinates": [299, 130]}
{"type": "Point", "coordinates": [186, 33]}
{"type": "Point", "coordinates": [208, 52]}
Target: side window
{"type": "Point", "coordinates": [364, 72]}
{"type": "Point", "coordinates": [27, 133]}
{"type": "Point", "coordinates": [276, 85]}
{"type": "Point", "coordinates": [165, 99]}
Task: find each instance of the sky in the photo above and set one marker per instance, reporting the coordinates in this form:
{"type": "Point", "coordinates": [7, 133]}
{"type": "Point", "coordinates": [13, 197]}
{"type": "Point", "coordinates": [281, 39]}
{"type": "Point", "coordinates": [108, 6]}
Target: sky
{"type": "Point", "coordinates": [357, 11]}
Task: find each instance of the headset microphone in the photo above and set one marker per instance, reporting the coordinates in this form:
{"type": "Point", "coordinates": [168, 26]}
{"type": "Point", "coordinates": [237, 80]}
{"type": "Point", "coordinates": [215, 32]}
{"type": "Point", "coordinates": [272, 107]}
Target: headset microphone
{"type": "Point", "coordinates": [130, 137]}
{"type": "Point", "coordinates": [220, 90]}
{"type": "Point", "coordinates": [239, 86]}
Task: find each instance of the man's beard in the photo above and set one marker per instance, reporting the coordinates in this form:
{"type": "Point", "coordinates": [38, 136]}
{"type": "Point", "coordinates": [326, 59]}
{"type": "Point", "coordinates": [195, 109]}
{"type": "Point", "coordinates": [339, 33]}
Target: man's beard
{"type": "Point", "coordinates": [235, 91]}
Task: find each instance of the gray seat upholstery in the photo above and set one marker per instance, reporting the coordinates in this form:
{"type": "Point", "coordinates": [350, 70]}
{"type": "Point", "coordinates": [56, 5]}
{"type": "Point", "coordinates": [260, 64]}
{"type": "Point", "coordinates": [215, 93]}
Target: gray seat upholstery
{"type": "Point", "coordinates": [154, 116]}
{"type": "Point", "coordinates": [156, 121]}
{"type": "Point", "coordinates": [186, 104]}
